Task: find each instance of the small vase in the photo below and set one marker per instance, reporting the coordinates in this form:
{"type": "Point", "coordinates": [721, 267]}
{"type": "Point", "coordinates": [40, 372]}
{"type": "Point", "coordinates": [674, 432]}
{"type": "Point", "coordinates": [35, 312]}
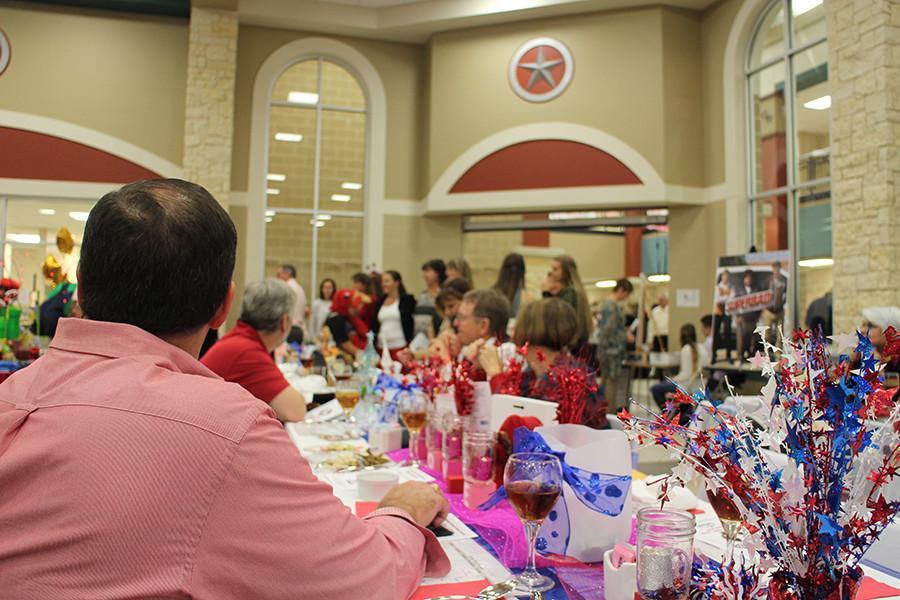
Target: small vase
{"type": "Point", "coordinates": [452, 455]}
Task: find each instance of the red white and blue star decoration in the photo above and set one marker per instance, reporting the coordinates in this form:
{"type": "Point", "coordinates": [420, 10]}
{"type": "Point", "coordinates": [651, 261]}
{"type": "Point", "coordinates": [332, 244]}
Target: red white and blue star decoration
{"type": "Point", "coordinates": [541, 69]}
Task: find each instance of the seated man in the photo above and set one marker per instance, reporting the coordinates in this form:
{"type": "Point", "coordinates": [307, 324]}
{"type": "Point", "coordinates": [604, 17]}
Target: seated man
{"type": "Point", "coordinates": [150, 477]}
{"type": "Point", "coordinates": [243, 356]}
{"type": "Point", "coordinates": [481, 319]}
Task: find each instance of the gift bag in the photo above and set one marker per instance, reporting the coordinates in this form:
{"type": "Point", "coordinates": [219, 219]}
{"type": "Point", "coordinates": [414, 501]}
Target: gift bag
{"type": "Point", "coordinates": [589, 520]}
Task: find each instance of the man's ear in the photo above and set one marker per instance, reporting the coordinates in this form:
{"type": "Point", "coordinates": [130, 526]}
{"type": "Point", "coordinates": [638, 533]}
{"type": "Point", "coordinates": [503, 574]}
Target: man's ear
{"type": "Point", "coordinates": [220, 315]}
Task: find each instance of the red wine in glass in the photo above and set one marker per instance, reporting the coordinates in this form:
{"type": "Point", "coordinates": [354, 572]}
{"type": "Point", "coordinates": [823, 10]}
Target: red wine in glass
{"type": "Point", "coordinates": [532, 501]}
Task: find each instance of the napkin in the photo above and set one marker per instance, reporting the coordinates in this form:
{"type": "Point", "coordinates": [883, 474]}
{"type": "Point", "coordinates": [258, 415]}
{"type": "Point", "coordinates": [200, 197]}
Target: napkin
{"type": "Point", "coordinates": [466, 588]}
{"type": "Point", "coordinates": [869, 589]}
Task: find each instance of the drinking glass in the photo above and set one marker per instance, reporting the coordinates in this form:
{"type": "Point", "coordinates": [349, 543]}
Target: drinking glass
{"type": "Point", "coordinates": [413, 407]}
{"type": "Point", "coordinates": [347, 392]}
{"type": "Point", "coordinates": [533, 482]}
{"type": "Point", "coordinates": [478, 467]}
{"type": "Point", "coordinates": [729, 516]}
{"type": "Point", "coordinates": [665, 551]}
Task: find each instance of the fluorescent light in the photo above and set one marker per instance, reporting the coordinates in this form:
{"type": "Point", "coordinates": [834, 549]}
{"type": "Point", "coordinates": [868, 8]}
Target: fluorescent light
{"type": "Point", "coordinates": [661, 278]}
{"type": "Point", "coordinates": [814, 263]}
{"type": "Point", "coordinates": [281, 136]}
{"type": "Point", "coordinates": [303, 98]}
{"type": "Point", "coordinates": [276, 177]}
{"type": "Point", "coordinates": [349, 185]}
{"type": "Point", "coordinates": [606, 283]}
{"type": "Point", "coordinates": [23, 238]}
{"type": "Point", "coordinates": [268, 219]}
{"type": "Point", "coordinates": [324, 217]}
{"type": "Point", "coordinates": [270, 213]}
{"type": "Point", "coordinates": [79, 215]}
{"type": "Point", "coordinates": [317, 223]}
{"type": "Point", "coordinates": [341, 197]}
{"type": "Point", "coordinates": [823, 103]}
{"type": "Point", "coordinates": [47, 211]}
{"type": "Point", "coordinates": [273, 191]}
{"type": "Point", "coordinates": [798, 7]}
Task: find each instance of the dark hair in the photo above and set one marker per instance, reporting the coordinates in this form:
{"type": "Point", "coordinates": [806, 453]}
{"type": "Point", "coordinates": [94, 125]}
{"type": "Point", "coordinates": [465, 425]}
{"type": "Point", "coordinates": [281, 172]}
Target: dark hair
{"type": "Point", "coordinates": [777, 263]}
{"type": "Point", "coordinates": [290, 270]}
{"type": "Point", "coordinates": [462, 266]}
{"type": "Point", "coordinates": [722, 275]}
{"type": "Point", "coordinates": [490, 305]}
{"type": "Point", "coordinates": [706, 320]}
{"type": "Point", "coordinates": [157, 254]}
{"type": "Point", "coordinates": [623, 284]}
{"type": "Point", "coordinates": [401, 289]}
{"type": "Point", "coordinates": [372, 287]}
{"type": "Point", "coordinates": [551, 323]}
{"type": "Point", "coordinates": [511, 277]}
{"type": "Point", "coordinates": [437, 265]}
{"type": "Point", "coordinates": [322, 288]}
{"type": "Point", "coordinates": [746, 273]}
{"type": "Point", "coordinates": [454, 289]}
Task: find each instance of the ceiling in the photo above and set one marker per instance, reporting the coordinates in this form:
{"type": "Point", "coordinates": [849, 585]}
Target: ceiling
{"type": "Point", "coordinates": [418, 20]}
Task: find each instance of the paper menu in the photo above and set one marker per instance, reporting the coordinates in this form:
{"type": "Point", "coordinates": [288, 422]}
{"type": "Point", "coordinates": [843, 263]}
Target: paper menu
{"type": "Point", "coordinates": [469, 562]}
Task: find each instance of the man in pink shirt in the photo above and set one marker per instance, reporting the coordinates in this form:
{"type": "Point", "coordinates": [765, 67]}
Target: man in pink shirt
{"type": "Point", "coordinates": [129, 470]}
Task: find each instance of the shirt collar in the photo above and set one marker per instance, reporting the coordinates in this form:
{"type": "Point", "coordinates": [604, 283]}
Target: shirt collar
{"type": "Point", "coordinates": [120, 340]}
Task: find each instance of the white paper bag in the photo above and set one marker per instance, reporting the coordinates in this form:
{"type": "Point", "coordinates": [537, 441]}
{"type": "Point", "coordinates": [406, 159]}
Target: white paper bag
{"type": "Point", "coordinates": [592, 533]}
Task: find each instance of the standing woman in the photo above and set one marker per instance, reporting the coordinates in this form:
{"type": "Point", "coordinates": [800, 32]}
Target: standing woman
{"type": "Point", "coordinates": [321, 307]}
{"type": "Point", "coordinates": [428, 321]}
{"type": "Point", "coordinates": [458, 268]}
{"type": "Point", "coordinates": [563, 282]}
{"type": "Point", "coordinates": [393, 324]}
{"type": "Point", "coordinates": [511, 281]}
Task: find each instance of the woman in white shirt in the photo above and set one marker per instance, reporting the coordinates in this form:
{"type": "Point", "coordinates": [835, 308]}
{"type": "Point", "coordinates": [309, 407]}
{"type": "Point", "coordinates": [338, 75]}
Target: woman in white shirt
{"type": "Point", "coordinates": [393, 324]}
{"type": "Point", "coordinates": [693, 359]}
{"type": "Point", "coordinates": [321, 307]}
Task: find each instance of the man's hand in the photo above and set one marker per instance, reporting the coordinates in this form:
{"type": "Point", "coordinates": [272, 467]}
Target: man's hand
{"type": "Point", "coordinates": [424, 502]}
{"type": "Point", "coordinates": [489, 359]}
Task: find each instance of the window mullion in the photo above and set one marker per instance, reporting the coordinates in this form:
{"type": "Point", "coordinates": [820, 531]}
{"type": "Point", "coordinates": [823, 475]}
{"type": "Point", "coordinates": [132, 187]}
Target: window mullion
{"type": "Point", "coordinates": [317, 166]}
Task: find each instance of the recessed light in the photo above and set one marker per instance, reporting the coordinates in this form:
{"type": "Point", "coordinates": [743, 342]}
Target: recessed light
{"type": "Point", "coordinates": [317, 223]}
{"type": "Point", "coordinates": [823, 103]}
{"type": "Point", "coordinates": [804, 6]}
{"type": "Point", "coordinates": [341, 197]}
{"type": "Point", "coordinates": [47, 211]}
{"type": "Point", "coordinates": [23, 238]}
{"type": "Point", "coordinates": [813, 263]}
{"type": "Point", "coordinates": [307, 98]}
{"type": "Point", "coordinates": [606, 283]}
{"type": "Point", "coordinates": [270, 213]}
{"type": "Point", "coordinates": [349, 185]}
{"type": "Point", "coordinates": [273, 191]}
{"type": "Point", "coordinates": [79, 215]}
{"type": "Point", "coordinates": [324, 217]}
{"type": "Point", "coordinates": [660, 278]}
{"type": "Point", "coordinates": [281, 136]}
{"type": "Point", "coordinates": [268, 219]}
{"type": "Point", "coordinates": [276, 177]}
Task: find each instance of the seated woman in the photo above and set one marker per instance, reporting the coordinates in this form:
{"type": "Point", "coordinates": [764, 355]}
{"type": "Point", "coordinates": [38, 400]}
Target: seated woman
{"type": "Point", "coordinates": [548, 327]}
{"type": "Point", "coordinates": [393, 324]}
{"type": "Point", "coordinates": [693, 359]}
{"type": "Point", "coordinates": [347, 327]}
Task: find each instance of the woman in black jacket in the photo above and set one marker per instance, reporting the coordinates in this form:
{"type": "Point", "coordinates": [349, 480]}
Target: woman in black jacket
{"type": "Point", "coordinates": [393, 324]}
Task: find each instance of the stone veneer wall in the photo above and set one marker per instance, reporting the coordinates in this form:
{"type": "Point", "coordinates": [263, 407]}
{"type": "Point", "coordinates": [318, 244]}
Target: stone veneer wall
{"type": "Point", "coordinates": [209, 101]}
{"type": "Point", "coordinates": [864, 70]}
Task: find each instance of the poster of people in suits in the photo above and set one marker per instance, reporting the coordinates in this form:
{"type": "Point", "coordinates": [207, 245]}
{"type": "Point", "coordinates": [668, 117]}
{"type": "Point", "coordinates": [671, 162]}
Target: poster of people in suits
{"type": "Point", "coordinates": [751, 294]}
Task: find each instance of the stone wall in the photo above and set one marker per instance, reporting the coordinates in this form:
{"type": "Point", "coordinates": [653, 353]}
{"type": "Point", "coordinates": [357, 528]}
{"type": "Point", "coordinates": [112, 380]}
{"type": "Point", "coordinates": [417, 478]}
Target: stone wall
{"type": "Point", "coordinates": [864, 69]}
{"type": "Point", "coordinates": [209, 100]}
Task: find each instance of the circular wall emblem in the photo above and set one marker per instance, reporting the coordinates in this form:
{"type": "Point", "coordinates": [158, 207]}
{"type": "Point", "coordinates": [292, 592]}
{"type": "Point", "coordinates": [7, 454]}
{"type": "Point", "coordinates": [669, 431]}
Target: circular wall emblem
{"type": "Point", "coordinates": [4, 52]}
{"type": "Point", "coordinates": [541, 69]}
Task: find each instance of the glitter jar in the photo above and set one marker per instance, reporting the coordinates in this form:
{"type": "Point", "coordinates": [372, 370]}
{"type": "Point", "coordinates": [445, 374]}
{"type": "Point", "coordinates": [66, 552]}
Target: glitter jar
{"type": "Point", "coordinates": [665, 553]}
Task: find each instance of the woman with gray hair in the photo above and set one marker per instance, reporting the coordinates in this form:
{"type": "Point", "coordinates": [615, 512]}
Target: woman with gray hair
{"type": "Point", "coordinates": [243, 356]}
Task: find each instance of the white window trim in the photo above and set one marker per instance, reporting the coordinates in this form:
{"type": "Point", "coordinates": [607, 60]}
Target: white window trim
{"type": "Point", "coordinates": [376, 144]}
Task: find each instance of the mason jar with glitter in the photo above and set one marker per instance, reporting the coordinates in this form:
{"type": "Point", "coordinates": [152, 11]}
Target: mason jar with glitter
{"type": "Point", "coordinates": [665, 551]}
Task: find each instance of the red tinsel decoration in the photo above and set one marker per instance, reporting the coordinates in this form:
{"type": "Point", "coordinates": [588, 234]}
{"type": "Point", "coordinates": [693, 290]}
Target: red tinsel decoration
{"type": "Point", "coordinates": [892, 345]}
{"type": "Point", "coordinates": [568, 383]}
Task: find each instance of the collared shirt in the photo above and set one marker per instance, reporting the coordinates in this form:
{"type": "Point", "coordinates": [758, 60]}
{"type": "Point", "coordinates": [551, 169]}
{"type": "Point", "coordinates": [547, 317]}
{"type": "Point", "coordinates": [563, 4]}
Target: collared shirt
{"type": "Point", "coordinates": [128, 469]}
{"type": "Point", "coordinates": [241, 357]}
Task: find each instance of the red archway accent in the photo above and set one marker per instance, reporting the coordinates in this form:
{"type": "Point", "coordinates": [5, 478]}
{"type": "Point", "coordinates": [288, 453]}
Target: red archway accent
{"type": "Point", "coordinates": [538, 164]}
{"type": "Point", "coordinates": [33, 155]}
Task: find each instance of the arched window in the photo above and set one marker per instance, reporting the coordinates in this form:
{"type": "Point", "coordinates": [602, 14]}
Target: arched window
{"type": "Point", "coordinates": [315, 177]}
{"type": "Point", "coordinates": [788, 131]}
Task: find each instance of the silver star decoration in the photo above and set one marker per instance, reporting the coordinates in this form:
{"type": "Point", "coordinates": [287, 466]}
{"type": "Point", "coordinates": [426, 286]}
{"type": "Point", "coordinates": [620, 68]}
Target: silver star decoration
{"type": "Point", "coordinates": [844, 340]}
{"type": "Point", "coordinates": [540, 69]}
{"type": "Point", "coordinates": [683, 471]}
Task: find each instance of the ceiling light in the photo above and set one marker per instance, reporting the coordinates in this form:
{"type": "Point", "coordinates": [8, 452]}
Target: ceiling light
{"type": "Point", "coordinates": [349, 185]}
{"type": "Point", "coordinates": [660, 278]}
{"type": "Point", "coordinates": [823, 103]}
{"type": "Point", "coordinates": [281, 136]}
{"type": "Point", "coordinates": [268, 219]}
{"type": "Point", "coordinates": [270, 213]}
{"type": "Point", "coordinates": [798, 7]}
{"type": "Point", "coordinates": [814, 263]}
{"type": "Point", "coordinates": [307, 98]}
{"type": "Point", "coordinates": [606, 283]}
{"type": "Point", "coordinates": [317, 223]}
{"type": "Point", "coordinates": [23, 238]}
{"type": "Point", "coordinates": [341, 197]}
{"type": "Point", "coordinates": [273, 191]}
{"type": "Point", "coordinates": [276, 177]}
{"type": "Point", "coordinates": [324, 217]}
{"type": "Point", "coordinates": [47, 211]}
{"type": "Point", "coordinates": [79, 215]}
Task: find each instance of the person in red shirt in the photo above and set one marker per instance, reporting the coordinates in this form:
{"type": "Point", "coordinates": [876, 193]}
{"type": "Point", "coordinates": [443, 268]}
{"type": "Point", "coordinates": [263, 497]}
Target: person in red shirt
{"type": "Point", "coordinates": [243, 356]}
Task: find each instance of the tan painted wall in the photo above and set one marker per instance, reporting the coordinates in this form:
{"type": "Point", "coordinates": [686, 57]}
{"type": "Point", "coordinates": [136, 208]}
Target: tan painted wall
{"type": "Point", "coordinates": [239, 216]}
{"type": "Point", "coordinates": [715, 26]}
{"type": "Point", "coordinates": [411, 240]}
{"type": "Point", "coordinates": [617, 86]}
{"type": "Point", "coordinates": [121, 75]}
{"type": "Point", "coordinates": [402, 71]}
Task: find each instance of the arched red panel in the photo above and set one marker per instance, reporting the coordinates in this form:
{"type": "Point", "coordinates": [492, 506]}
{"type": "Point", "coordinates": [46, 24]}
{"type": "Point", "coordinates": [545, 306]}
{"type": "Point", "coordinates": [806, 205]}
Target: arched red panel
{"type": "Point", "coordinates": [537, 164]}
{"type": "Point", "coordinates": [31, 155]}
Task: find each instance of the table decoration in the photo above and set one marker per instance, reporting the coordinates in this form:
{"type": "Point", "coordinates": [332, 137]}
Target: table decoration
{"type": "Point", "coordinates": [809, 484]}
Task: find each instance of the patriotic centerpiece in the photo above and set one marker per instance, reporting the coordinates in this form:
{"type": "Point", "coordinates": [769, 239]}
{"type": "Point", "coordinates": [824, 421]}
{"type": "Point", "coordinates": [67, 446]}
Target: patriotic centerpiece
{"type": "Point", "coordinates": [806, 469]}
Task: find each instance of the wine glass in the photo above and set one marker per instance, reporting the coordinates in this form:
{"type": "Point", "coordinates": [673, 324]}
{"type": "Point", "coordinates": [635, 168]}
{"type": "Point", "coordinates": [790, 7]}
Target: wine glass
{"type": "Point", "coordinates": [729, 516]}
{"type": "Point", "coordinates": [347, 392]}
{"type": "Point", "coordinates": [413, 412]}
{"type": "Point", "coordinates": [533, 482]}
